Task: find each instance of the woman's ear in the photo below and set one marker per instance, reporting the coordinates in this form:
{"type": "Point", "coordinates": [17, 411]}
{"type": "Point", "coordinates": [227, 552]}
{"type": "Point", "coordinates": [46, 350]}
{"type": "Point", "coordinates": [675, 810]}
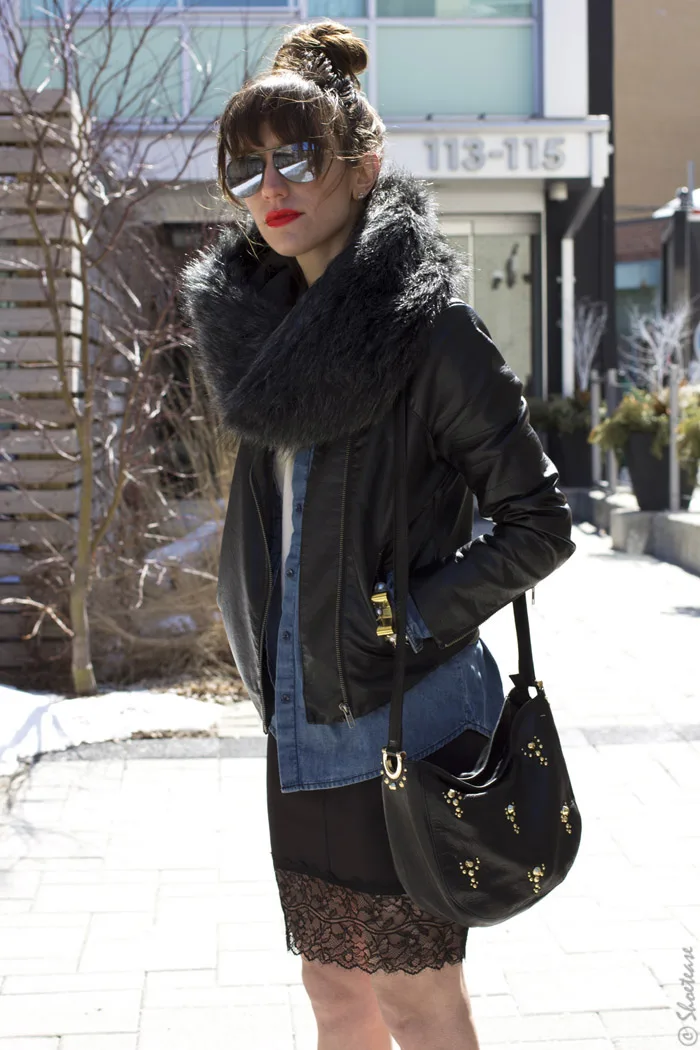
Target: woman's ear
{"type": "Point", "coordinates": [366, 174]}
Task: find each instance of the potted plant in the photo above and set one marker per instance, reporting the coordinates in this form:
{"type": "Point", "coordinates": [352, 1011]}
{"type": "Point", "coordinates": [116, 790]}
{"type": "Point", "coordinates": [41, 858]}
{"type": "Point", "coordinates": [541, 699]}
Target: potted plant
{"type": "Point", "coordinates": [638, 432]}
{"type": "Point", "coordinates": [638, 429]}
{"type": "Point", "coordinates": [568, 426]}
{"type": "Point", "coordinates": [567, 420]}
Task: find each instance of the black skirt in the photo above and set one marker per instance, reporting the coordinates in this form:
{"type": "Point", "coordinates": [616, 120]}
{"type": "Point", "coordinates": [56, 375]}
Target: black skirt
{"type": "Point", "coordinates": [340, 894]}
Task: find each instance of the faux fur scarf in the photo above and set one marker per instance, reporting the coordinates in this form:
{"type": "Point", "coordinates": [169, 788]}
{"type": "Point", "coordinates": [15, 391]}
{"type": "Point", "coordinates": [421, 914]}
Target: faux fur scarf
{"type": "Point", "coordinates": [290, 366]}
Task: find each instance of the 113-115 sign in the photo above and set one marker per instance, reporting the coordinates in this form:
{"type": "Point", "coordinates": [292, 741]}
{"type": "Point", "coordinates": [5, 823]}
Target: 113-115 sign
{"type": "Point", "coordinates": [516, 152]}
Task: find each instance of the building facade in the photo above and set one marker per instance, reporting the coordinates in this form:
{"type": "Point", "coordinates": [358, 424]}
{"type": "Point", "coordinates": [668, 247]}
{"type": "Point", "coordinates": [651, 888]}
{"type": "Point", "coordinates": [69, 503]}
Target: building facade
{"type": "Point", "coordinates": [657, 85]}
{"type": "Point", "coordinates": [503, 105]}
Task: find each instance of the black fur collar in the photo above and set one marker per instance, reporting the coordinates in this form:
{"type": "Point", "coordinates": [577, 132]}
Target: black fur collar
{"type": "Point", "coordinates": [289, 366]}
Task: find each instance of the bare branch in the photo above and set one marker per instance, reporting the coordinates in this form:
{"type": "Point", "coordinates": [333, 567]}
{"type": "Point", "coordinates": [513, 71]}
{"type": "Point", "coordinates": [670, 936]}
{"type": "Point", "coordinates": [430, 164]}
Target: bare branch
{"type": "Point", "coordinates": [589, 327]}
{"type": "Point", "coordinates": [654, 343]}
{"type": "Point", "coordinates": [108, 113]}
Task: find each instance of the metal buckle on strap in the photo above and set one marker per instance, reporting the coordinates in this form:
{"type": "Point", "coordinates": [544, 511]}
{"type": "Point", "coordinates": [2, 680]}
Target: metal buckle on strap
{"type": "Point", "coordinates": [393, 764]}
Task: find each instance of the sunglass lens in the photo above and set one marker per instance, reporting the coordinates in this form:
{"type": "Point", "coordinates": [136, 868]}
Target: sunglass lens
{"type": "Point", "coordinates": [244, 176]}
{"type": "Point", "coordinates": [294, 162]}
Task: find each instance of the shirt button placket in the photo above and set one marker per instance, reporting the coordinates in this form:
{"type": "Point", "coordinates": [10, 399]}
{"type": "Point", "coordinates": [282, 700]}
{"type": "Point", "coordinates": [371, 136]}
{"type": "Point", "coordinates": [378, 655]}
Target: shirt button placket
{"type": "Point", "coordinates": [286, 683]}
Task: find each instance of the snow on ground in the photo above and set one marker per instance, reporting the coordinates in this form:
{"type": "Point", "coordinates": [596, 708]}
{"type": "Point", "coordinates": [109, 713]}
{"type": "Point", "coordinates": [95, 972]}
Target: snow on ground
{"type": "Point", "coordinates": [31, 723]}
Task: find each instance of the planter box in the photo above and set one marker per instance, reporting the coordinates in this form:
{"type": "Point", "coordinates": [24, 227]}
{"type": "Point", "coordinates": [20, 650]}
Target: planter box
{"type": "Point", "coordinates": [651, 476]}
{"type": "Point", "coordinates": [571, 454]}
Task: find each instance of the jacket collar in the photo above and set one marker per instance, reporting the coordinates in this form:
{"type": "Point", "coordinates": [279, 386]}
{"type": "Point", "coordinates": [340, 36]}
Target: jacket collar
{"type": "Point", "coordinates": [290, 366]}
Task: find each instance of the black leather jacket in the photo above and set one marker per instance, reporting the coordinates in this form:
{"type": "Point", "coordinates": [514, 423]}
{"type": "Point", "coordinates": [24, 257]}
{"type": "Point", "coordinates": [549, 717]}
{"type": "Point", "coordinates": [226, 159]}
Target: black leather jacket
{"type": "Point", "coordinates": [291, 366]}
{"type": "Point", "coordinates": [468, 432]}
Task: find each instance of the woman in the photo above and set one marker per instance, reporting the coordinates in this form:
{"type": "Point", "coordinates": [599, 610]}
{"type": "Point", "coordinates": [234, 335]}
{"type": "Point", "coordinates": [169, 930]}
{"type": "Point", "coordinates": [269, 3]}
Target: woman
{"type": "Point", "coordinates": [339, 292]}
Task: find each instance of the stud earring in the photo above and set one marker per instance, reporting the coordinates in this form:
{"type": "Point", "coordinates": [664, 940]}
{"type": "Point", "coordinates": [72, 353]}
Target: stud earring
{"type": "Point", "coordinates": [361, 196]}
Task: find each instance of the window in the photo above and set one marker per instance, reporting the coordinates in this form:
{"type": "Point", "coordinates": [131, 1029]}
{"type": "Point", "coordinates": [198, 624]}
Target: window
{"type": "Point", "coordinates": [235, 53]}
{"type": "Point", "coordinates": [35, 10]}
{"type": "Point", "coordinates": [454, 9]}
{"type": "Point", "coordinates": [637, 287]}
{"type": "Point", "coordinates": [455, 70]}
{"type": "Point", "coordinates": [339, 9]}
{"type": "Point", "coordinates": [486, 66]}
{"type": "Point", "coordinates": [156, 69]}
{"type": "Point", "coordinates": [234, 4]}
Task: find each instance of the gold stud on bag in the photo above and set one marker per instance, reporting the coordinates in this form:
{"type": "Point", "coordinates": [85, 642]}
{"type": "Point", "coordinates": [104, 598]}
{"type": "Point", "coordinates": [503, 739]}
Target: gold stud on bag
{"type": "Point", "coordinates": [510, 814]}
{"type": "Point", "coordinates": [535, 750]}
{"type": "Point", "coordinates": [470, 868]}
{"type": "Point", "coordinates": [514, 837]}
{"type": "Point", "coordinates": [535, 876]}
{"type": "Point", "coordinates": [453, 798]}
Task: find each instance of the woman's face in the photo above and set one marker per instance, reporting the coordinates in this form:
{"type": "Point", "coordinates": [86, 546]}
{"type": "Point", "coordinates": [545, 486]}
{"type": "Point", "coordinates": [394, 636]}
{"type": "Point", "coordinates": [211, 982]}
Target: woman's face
{"type": "Point", "coordinates": [322, 212]}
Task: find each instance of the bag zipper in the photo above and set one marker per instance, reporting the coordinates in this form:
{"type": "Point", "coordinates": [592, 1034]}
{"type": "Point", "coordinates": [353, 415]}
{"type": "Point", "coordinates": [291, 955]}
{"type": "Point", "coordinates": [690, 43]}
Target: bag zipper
{"type": "Point", "coordinates": [345, 704]}
{"type": "Point", "coordinates": [268, 566]}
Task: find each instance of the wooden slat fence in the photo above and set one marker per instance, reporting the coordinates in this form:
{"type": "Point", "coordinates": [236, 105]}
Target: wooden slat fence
{"type": "Point", "coordinates": [37, 483]}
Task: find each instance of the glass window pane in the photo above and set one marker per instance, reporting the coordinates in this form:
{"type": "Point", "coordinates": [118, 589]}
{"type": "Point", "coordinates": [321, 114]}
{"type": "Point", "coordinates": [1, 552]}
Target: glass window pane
{"type": "Point", "coordinates": [406, 8]}
{"type": "Point", "coordinates": [455, 70]}
{"type": "Point", "coordinates": [36, 9]}
{"type": "Point", "coordinates": [454, 9]}
{"type": "Point", "coordinates": [148, 84]}
{"type": "Point", "coordinates": [337, 9]}
{"type": "Point", "coordinates": [37, 67]}
{"type": "Point", "coordinates": [235, 3]}
{"type": "Point", "coordinates": [129, 76]}
{"type": "Point", "coordinates": [233, 54]}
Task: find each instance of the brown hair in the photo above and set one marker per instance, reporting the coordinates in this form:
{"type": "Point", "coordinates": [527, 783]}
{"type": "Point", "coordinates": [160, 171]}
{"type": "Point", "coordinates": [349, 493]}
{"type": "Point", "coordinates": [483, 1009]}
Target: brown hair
{"type": "Point", "coordinates": [311, 93]}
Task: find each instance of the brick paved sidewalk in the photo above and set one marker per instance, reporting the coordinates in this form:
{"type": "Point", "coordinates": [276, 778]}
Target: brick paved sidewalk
{"type": "Point", "coordinates": [138, 908]}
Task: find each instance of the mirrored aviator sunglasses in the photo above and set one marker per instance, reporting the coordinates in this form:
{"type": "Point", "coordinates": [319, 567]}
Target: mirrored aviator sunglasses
{"type": "Point", "coordinates": [244, 175]}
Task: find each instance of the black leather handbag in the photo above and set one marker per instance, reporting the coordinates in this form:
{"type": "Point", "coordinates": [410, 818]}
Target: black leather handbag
{"type": "Point", "coordinates": [478, 848]}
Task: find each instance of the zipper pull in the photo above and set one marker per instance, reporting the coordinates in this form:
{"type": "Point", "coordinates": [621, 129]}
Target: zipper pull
{"type": "Point", "coordinates": [345, 708]}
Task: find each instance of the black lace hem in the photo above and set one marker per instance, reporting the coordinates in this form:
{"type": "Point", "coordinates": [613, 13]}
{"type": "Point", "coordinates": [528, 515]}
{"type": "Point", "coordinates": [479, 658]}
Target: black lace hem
{"type": "Point", "coordinates": [329, 923]}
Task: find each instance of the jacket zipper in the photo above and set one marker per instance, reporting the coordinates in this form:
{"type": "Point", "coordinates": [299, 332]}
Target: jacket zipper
{"type": "Point", "coordinates": [268, 566]}
{"type": "Point", "coordinates": [349, 717]}
{"type": "Point", "coordinates": [345, 704]}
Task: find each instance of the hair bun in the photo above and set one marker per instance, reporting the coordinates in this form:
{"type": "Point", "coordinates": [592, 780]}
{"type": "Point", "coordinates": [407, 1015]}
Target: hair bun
{"type": "Point", "coordinates": [308, 45]}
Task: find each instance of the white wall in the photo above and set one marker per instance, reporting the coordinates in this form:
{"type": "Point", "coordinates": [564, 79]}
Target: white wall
{"type": "Point", "coordinates": [565, 57]}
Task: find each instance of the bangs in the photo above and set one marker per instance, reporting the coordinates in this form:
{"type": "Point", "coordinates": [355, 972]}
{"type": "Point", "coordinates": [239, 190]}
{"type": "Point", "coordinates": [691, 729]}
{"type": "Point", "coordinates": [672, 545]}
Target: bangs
{"type": "Point", "coordinates": [293, 108]}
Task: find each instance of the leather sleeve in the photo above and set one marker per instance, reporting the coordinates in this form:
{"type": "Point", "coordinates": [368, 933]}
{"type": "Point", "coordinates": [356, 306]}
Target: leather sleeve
{"type": "Point", "coordinates": [472, 405]}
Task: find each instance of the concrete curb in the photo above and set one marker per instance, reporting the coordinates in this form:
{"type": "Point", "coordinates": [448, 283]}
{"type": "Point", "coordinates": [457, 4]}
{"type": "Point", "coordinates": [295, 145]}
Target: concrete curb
{"type": "Point", "coordinates": [674, 538]}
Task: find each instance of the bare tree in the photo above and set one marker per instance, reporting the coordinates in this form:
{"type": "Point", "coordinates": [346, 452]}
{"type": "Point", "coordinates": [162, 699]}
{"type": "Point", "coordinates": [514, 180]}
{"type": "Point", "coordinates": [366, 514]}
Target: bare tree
{"type": "Point", "coordinates": [589, 327]}
{"type": "Point", "coordinates": [654, 343]}
{"type": "Point", "coordinates": [112, 135]}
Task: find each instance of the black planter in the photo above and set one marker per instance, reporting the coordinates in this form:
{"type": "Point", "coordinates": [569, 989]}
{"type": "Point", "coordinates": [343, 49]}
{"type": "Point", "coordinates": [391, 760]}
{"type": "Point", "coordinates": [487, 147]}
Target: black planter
{"type": "Point", "coordinates": [651, 477]}
{"type": "Point", "coordinates": [571, 454]}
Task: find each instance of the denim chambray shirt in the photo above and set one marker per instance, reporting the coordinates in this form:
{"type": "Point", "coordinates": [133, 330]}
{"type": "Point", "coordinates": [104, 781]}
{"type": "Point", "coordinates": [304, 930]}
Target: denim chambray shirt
{"type": "Point", "coordinates": [464, 693]}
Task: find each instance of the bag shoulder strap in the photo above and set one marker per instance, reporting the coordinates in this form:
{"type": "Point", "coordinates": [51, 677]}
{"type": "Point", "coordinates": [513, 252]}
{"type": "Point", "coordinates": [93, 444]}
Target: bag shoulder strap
{"type": "Point", "coordinates": [526, 668]}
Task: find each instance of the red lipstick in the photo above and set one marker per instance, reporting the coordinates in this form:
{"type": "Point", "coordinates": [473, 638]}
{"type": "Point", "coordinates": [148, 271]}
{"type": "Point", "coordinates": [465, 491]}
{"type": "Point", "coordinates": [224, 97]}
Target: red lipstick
{"type": "Point", "coordinates": [282, 217]}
